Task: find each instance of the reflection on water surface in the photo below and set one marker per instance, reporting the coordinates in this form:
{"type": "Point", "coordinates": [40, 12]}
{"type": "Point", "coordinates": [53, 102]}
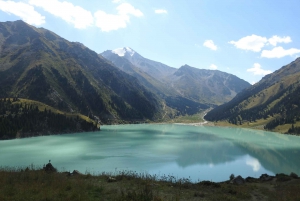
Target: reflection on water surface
{"type": "Point", "coordinates": [201, 153]}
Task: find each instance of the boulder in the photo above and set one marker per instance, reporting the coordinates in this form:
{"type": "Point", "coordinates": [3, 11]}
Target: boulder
{"type": "Point", "coordinates": [294, 175]}
{"type": "Point", "coordinates": [238, 180]}
{"type": "Point", "coordinates": [49, 168]}
{"type": "Point", "coordinates": [283, 177]}
{"type": "Point", "coordinates": [76, 172]}
{"type": "Point", "coordinates": [111, 179]}
{"type": "Point", "coordinates": [250, 179]}
{"type": "Point", "coordinates": [265, 177]}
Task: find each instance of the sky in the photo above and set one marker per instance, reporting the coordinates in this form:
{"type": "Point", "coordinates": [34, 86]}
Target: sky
{"type": "Point", "coordinates": [247, 38]}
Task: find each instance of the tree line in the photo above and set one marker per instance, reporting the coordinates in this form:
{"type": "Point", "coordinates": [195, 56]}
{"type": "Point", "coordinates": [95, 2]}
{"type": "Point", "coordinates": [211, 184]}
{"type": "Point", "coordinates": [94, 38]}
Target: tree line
{"type": "Point", "coordinates": [23, 120]}
{"type": "Point", "coordinates": [285, 111]}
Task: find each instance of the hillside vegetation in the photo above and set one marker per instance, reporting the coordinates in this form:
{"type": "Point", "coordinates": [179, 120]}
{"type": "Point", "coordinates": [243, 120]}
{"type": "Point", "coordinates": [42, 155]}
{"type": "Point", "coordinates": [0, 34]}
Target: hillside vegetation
{"type": "Point", "coordinates": [39, 65]}
{"type": "Point", "coordinates": [26, 118]}
{"type": "Point", "coordinates": [274, 101]}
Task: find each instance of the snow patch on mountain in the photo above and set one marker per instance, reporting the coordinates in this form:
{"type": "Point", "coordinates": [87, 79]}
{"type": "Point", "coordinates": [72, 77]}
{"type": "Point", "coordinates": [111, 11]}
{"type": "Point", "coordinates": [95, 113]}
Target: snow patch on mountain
{"type": "Point", "coordinates": [122, 51]}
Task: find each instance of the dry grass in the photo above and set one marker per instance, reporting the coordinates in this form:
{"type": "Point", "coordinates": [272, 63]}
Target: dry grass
{"type": "Point", "coordinates": [39, 185]}
{"type": "Point", "coordinates": [258, 124]}
{"type": "Point", "coordinates": [43, 106]}
{"type": "Point", "coordinates": [196, 118]}
{"type": "Point", "coordinates": [34, 184]}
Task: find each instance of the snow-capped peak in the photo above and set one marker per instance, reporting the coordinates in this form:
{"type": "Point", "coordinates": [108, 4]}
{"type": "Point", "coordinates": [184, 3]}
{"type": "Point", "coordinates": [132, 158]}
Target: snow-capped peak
{"type": "Point", "coordinates": [122, 51]}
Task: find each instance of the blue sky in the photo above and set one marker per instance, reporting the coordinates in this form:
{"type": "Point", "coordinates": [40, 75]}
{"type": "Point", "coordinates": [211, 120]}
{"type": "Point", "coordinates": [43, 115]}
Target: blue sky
{"type": "Point", "coordinates": [247, 38]}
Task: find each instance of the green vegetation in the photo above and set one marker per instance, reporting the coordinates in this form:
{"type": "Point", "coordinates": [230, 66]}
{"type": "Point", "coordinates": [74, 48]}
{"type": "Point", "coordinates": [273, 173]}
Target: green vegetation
{"type": "Point", "coordinates": [185, 106]}
{"type": "Point", "coordinates": [39, 65]}
{"type": "Point", "coordinates": [196, 118]}
{"type": "Point", "coordinates": [34, 183]}
{"type": "Point", "coordinates": [272, 104]}
{"type": "Point", "coordinates": [42, 107]}
{"type": "Point", "coordinates": [23, 118]}
{"type": "Point", "coordinates": [294, 130]}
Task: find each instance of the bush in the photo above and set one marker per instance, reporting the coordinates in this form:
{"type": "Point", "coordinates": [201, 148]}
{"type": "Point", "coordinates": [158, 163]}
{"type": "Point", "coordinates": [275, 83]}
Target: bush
{"type": "Point", "coordinates": [231, 177]}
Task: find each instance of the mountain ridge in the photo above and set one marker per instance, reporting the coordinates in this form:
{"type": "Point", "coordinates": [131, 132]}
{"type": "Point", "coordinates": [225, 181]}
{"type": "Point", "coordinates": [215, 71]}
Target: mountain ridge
{"type": "Point", "coordinates": [274, 100]}
{"type": "Point", "coordinates": [68, 76]}
{"type": "Point", "coordinates": [219, 86]}
{"type": "Point", "coordinates": [173, 100]}
{"type": "Point", "coordinates": [154, 68]}
{"type": "Point", "coordinates": [188, 82]}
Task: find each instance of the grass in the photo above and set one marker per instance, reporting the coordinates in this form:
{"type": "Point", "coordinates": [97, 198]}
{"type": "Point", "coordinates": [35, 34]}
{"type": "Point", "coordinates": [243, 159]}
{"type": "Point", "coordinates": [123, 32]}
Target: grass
{"type": "Point", "coordinates": [267, 93]}
{"type": "Point", "coordinates": [262, 97]}
{"type": "Point", "coordinates": [43, 106]}
{"type": "Point", "coordinates": [39, 185]}
{"type": "Point", "coordinates": [34, 183]}
{"type": "Point", "coordinates": [196, 118]}
{"type": "Point", "coordinates": [259, 124]}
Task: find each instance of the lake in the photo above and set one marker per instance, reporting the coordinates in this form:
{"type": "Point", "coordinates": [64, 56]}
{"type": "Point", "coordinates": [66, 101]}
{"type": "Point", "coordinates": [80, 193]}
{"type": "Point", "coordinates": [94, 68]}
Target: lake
{"type": "Point", "coordinates": [195, 152]}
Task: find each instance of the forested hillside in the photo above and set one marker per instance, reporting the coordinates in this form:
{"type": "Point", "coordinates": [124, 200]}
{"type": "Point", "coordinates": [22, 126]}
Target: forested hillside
{"type": "Point", "coordinates": [23, 119]}
{"type": "Point", "coordinates": [275, 99]}
{"type": "Point", "coordinates": [37, 64]}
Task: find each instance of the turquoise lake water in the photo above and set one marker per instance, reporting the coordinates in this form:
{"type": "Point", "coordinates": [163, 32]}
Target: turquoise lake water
{"type": "Point", "coordinates": [195, 152]}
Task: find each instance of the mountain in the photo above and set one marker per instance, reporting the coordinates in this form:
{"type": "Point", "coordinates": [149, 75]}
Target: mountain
{"type": "Point", "coordinates": [174, 102]}
{"type": "Point", "coordinates": [148, 80]}
{"type": "Point", "coordinates": [274, 101]}
{"type": "Point", "coordinates": [208, 87]}
{"type": "Point", "coordinates": [37, 64]}
{"type": "Point", "coordinates": [153, 68]}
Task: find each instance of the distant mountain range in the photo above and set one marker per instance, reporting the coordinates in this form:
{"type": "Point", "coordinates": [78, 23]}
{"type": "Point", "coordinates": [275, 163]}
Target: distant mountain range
{"type": "Point", "coordinates": [209, 87]}
{"type": "Point", "coordinates": [153, 68]}
{"type": "Point", "coordinates": [274, 102]}
{"type": "Point", "coordinates": [116, 86]}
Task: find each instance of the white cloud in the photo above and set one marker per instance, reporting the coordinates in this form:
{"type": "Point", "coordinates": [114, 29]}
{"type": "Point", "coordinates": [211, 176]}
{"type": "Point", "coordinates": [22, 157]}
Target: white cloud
{"type": "Point", "coordinates": [210, 44]}
{"type": "Point", "coordinates": [75, 15]}
{"type": "Point", "coordinates": [257, 70]}
{"type": "Point", "coordinates": [213, 67]}
{"type": "Point", "coordinates": [279, 52]}
{"type": "Point", "coordinates": [254, 43]}
{"type": "Point", "coordinates": [276, 39]}
{"type": "Point", "coordinates": [24, 11]}
{"type": "Point", "coordinates": [254, 163]}
{"type": "Point", "coordinates": [161, 11]}
{"type": "Point", "coordinates": [127, 9]}
{"type": "Point", "coordinates": [108, 22]}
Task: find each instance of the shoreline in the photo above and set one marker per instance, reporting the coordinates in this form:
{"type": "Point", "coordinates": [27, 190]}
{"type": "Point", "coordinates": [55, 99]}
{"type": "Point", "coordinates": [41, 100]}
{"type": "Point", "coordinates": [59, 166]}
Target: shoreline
{"type": "Point", "coordinates": [205, 123]}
